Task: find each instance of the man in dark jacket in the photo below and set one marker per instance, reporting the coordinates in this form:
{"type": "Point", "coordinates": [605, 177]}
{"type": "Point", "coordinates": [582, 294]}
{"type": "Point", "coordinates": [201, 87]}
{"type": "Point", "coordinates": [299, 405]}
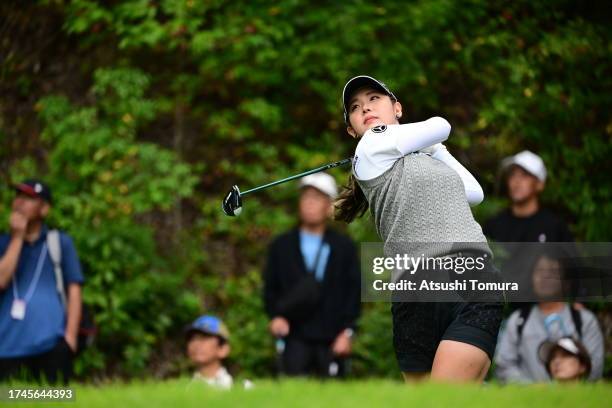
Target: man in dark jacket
{"type": "Point", "coordinates": [312, 287]}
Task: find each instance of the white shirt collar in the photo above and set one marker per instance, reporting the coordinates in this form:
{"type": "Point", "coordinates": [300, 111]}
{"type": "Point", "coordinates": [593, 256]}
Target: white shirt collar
{"type": "Point", "coordinates": [222, 379]}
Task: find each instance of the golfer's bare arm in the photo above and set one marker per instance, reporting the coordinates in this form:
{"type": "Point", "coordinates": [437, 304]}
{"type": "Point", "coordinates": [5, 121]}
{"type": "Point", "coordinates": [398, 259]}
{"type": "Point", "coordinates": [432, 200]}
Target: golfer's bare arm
{"type": "Point", "coordinates": [8, 262]}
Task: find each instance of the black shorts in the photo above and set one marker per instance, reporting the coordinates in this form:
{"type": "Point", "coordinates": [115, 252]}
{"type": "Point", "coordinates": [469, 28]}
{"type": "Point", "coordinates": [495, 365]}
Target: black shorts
{"type": "Point", "coordinates": [418, 329]}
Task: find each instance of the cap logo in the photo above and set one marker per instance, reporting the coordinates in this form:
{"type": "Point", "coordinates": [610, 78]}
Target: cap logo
{"type": "Point", "coordinates": [379, 129]}
{"type": "Point", "coordinates": [37, 188]}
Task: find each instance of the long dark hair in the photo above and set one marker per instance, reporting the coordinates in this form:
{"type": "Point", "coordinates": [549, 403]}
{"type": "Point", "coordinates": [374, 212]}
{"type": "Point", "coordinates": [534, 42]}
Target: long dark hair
{"type": "Point", "coordinates": [351, 203]}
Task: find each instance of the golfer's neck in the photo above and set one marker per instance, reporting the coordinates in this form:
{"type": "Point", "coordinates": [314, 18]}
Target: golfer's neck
{"type": "Point", "coordinates": [526, 208]}
{"type": "Point", "coordinates": [317, 229]}
{"type": "Point", "coordinates": [210, 370]}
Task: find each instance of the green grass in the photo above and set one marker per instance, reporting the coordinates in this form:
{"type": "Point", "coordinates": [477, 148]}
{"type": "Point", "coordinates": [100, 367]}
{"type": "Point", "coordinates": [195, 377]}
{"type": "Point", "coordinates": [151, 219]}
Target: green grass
{"type": "Point", "coordinates": [304, 393]}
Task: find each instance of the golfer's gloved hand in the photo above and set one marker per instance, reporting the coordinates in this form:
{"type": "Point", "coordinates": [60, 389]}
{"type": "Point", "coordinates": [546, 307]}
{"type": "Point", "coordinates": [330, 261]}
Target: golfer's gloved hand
{"type": "Point", "coordinates": [431, 150]}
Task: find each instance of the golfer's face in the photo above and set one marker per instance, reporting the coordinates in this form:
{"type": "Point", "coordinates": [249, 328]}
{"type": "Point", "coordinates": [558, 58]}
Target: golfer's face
{"type": "Point", "coordinates": [565, 366]}
{"type": "Point", "coordinates": [368, 108]}
{"type": "Point", "coordinates": [522, 186]}
{"type": "Point", "coordinates": [315, 206]}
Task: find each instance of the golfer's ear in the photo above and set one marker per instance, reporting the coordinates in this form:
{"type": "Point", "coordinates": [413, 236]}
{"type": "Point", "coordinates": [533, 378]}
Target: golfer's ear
{"type": "Point", "coordinates": [351, 131]}
{"type": "Point", "coordinates": [540, 186]}
{"type": "Point", "coordinates": [398, 109]}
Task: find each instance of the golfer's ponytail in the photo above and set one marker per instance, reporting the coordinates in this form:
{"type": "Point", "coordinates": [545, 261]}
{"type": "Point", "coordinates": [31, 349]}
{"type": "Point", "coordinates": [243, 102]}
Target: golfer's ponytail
{"type": "Point", "coordinates": [351, 203]}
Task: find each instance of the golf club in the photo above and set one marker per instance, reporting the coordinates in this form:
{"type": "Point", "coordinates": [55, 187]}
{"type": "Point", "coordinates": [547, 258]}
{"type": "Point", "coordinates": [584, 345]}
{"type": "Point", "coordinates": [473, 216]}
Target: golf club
{"type": "Point", "coordinates": [232, 203]}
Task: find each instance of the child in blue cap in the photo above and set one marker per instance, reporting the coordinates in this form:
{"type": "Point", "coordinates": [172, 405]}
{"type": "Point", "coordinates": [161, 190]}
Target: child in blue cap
{"type": "Point", "coordinates": [207, 346]}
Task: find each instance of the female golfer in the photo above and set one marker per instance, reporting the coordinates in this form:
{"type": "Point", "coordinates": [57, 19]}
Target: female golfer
{"type": "Point", "coordinates": [419, 194]}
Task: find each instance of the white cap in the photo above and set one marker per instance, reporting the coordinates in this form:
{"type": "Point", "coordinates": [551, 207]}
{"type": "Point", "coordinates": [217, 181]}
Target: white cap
{"type": "Point", "coordinates": [322, 182]}
{"type": "Point", "coordinates": [530, 162]}
{"type": "Point", "coordinates": [566, 343]}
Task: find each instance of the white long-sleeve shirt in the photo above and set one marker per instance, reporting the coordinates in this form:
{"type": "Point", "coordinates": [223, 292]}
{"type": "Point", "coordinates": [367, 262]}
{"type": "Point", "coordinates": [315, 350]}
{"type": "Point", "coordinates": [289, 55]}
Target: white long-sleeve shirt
{"type": "Point", "coordinates": [378, 151]}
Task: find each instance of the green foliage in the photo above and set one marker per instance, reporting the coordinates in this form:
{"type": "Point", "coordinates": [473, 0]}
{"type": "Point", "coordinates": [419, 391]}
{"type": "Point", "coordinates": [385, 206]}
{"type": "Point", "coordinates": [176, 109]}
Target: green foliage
{"type": "Point", "coordinates": [103, 179]}
{"type": "Point", "coordinates": [508, 76]}
{"type": "Point", "coordinates": [252, 346]}
{"type": "Point", "coordinates": [373, 350]}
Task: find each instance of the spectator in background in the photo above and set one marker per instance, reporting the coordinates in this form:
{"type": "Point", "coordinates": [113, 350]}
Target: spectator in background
{"type": "Point", "coordinates": [312, 287]}
{"type": "Point", "coordinates": [517, 358]}
{"type": "Point", "coordinates": [38, 333]}
{"type": "Point", "coordinates": [524, 176]}
{"type": "Point", "coordinates": [566, 359]}
{"type": "Point", "coordinates": [207, 346]}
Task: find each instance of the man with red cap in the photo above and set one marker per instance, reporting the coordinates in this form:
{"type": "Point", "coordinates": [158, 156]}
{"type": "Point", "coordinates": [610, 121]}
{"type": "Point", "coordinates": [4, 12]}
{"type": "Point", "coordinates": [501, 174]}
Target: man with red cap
{"type": "Point", "coordinates": [40, 306]}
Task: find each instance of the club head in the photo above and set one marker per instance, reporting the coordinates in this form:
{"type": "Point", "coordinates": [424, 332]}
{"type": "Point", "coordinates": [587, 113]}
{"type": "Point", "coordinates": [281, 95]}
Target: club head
{"type": "Point", "coordinates": [232, 203]}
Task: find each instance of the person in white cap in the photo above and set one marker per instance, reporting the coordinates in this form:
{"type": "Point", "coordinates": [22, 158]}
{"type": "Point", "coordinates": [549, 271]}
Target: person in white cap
{"type": "Point", "coordinates": [565, 359]}
{"type": "Point", "coordinates": [312, 287]}
{"type": "Point", "coordinates": [524, 176]}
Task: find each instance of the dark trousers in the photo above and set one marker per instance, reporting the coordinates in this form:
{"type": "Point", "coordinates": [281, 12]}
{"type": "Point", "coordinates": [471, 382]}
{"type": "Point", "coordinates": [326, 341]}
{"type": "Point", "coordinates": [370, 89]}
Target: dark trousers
{"type": "Point", "coordinates": [304, 357]}
{"type": "Point", "coordinates": [54, 366]}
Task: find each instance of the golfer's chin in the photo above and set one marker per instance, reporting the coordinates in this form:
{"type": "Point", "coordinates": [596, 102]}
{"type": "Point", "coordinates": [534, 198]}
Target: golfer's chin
{"type": "Point", "coordinates": [374, 123]}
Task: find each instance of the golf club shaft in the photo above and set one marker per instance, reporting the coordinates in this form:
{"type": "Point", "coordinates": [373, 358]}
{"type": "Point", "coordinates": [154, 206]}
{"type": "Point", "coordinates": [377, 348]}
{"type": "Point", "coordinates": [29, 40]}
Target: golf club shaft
{"type": "Point", "coordinates": [306, 173]}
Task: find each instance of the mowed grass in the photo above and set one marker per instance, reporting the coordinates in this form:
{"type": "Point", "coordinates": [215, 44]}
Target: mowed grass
{"type": "Point", "coordinates": [183, 393]}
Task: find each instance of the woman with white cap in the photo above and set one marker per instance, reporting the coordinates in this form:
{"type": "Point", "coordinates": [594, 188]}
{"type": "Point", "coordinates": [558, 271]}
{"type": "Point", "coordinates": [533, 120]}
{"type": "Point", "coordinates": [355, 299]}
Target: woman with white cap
{"type": "Point", "coordinates": [419, 194]}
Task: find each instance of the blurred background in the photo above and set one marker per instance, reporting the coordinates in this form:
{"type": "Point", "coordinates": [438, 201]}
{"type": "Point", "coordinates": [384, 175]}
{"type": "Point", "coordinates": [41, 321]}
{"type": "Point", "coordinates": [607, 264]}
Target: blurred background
{"type": "Point", "coordinates": [141, 114]}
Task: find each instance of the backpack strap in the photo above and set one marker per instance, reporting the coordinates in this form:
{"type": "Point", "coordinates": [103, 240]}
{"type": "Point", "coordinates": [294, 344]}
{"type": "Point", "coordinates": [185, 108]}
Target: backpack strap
{"type": "Point", "coordinates": [55, 251]}
{"type": "Point", "coordinates": [577, 319]}
{"type": "Point", "coordinates": [524, 313]}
